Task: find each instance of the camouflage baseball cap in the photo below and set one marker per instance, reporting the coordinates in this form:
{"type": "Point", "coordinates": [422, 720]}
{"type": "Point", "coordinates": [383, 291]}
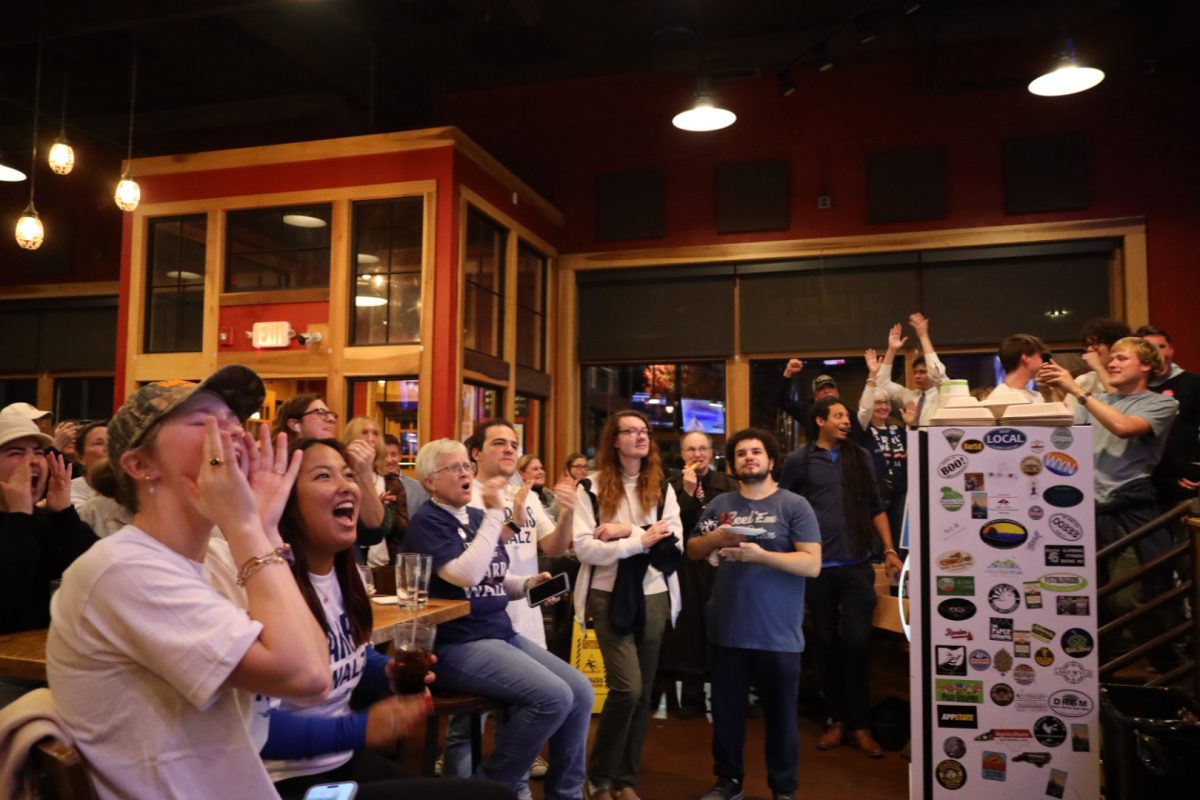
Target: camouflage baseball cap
{"type": "Point", "coordinates": [240, 388]}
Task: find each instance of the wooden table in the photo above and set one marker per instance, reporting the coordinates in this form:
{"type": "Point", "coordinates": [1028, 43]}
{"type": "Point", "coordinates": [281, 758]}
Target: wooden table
{"type": "Point", "coordinates": [23, 655]}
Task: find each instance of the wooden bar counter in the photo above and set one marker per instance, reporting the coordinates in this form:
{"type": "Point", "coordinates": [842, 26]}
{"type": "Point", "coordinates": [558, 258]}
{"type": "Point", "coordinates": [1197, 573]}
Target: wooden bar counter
{"type": "Point", "coordinates": [23, 655]}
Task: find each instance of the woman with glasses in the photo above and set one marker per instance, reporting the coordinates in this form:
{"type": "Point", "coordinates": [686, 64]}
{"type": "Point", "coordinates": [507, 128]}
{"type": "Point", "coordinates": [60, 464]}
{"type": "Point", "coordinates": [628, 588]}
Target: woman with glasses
{"type": "Point", "coordinates": [576, 468]}
{"type": "Point", "coordinates": [305, 416]}
{"type": "Point", "coordinates": [546, 698]}
{"type": "Point", "coordinates": [628, 538]}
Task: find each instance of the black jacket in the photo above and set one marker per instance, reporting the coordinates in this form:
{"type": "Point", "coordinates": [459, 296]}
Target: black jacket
{"type": "Point", "coordinates": [34, 550]}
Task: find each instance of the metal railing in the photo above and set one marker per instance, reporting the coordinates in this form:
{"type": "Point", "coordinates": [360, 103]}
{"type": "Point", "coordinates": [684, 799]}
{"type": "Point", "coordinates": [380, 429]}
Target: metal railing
{"type": "Point", "coordinates": [1184, 595]}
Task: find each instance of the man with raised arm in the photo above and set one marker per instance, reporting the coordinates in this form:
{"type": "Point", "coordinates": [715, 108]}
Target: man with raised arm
{"type": "Point", "coordinates": [766, 544]}
{"type": "Point", "coordinates": [928, 371]}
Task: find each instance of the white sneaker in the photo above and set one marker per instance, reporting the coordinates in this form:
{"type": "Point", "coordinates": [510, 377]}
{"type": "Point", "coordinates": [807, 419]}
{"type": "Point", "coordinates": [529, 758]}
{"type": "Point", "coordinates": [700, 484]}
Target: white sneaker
{"type": "Point", "coordinates": [538, 768]}
{"type": "Point", "coordinates": [439, 766]}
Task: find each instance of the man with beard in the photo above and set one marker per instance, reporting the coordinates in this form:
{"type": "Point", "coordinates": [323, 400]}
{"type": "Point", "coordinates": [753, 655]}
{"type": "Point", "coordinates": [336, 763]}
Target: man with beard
{"type": "Point", "coordinates": [683, 650]}
{"type": "Point", "coordinates": [765, 543]}
{"type": "Point", "coordinates": [835, 475]}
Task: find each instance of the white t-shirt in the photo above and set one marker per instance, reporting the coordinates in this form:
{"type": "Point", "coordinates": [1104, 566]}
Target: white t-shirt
{"type": "Point", "coordinates": [81, 491]}
{"type": "Point", "coordinates": [1008, 394]}
{"type": "Point", "coordinates": [139, 650]}
{"type": "Point", "coordinates": [522, 556]}
{"type": "Point", "coordinates": [346, 663]}
{"type": "Point", "coordinates": [377, 554]}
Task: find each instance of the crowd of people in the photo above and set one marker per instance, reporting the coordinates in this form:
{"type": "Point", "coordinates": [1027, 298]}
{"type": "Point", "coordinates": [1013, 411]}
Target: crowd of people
{"type": "Point", "coordinates": [212, 622]}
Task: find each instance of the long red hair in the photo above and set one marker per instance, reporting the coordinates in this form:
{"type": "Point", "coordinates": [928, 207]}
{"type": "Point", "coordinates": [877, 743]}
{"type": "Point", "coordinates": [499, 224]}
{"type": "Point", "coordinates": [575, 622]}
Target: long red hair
{"type": "Point", "coordinates": [610, 492]}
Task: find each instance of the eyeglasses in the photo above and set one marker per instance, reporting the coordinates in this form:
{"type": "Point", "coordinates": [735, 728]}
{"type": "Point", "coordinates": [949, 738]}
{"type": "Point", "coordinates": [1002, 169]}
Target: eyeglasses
{"type": "Point", "coordinates": [461, 468]}
{"type": "Point", "coordinates": [635, 433]}
{"type": "Point", "coordinates": [582, 465]}
{"type": "Point", "coordinates": [323, 413]}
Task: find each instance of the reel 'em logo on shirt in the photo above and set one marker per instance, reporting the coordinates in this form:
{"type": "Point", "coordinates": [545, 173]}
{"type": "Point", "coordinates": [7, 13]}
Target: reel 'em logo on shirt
{"type": "Point", "coordinates": [1004, 439]}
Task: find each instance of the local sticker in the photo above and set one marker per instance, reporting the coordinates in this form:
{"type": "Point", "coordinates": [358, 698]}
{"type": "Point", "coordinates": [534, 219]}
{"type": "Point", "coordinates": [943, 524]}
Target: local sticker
{"type": "Point", "coordinates": [1031, 465]}
{"type": "Point", "coordinates": [1065, 527]}
{"type": "Point", "coordinates": [972, 446]}
{"type": "Point", "coordinates": [954, 746]}
{"type": "Point", "coordinates": [1003, 534]}
{"type": "Point", "coordinates": [1062, 438]}
{"type": "Point", "coordinates": [953, 436]}
{"type": "Point", "coordinates": [1071, 703]}
{"type": "Point", "coordinates": [1073, 672]}
{"type": "Point", "coordinates": [956, 609]}
{"type": "Point", "coordinates": [1077, 642]}
{"type": "Point", "coordinates": [979, 660]}
{"type": "Point", "coordinates": [1002, 661]}
{"type": "Point", "coordinates": [1004, 439]}
{"type": "Point", "coordinates": [1024, 674]}
{"type": "Point", "coordinates": [951, 774]}
{"type": "Point", "coordinates": [955, 561]}
{"type": "Point", "coordinates": [956, 585]}
{"type": "Point", "coordinates": [1003, 598]}
{"type": "Point", "coordinates": [1062, 582]}
{"type": "Point", "coordinates": [1062, 496]}
{"type": "Point", "coordinates": [1037, 759]}
{"type": "Point", "coordinates": [1001, 694]}
{"type": "Point", "coordinates": [1050, 731]}
{"type": "Point", "coordinates": [1060, 464]}
{"type": "Point", "coordinates": [952, 465]}
{"type": "Point", "coordinates": [951, 500]}
{"type": "Point", "coordinates": [994, 766]}
{"type": "Point", "coordinates": [1044, 656]}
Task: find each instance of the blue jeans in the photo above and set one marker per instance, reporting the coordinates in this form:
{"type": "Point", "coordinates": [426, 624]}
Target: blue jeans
{"type": "Point", "coordinates": [546, 699]}
{"type": "Point", "coordinates": [456, 760]}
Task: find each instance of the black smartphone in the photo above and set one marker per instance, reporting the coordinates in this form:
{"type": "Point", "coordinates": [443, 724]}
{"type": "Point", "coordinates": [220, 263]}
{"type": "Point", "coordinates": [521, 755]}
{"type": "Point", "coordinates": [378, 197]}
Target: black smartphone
{"type": "Point", "coordinates": [558, 585]}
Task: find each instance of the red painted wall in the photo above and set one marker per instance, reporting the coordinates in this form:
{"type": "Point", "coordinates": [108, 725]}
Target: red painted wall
{"type": "Point", "coordinates": [1141, 133]}
{"type": "Point", "coordinates": [239, 320]}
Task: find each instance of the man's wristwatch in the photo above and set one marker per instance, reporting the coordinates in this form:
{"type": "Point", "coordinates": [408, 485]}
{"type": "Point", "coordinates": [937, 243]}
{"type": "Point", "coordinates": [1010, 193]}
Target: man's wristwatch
{"type": "Point", "coordinates": [512, 526]}
{"type": "Point", "coordinates": [1083, 398]}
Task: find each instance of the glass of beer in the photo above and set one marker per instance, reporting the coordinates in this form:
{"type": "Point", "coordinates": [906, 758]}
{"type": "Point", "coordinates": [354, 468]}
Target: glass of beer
{"type": "Point", "coordinates": [412, 655]}
{"type": "Point", "coordinates": [412, 579]}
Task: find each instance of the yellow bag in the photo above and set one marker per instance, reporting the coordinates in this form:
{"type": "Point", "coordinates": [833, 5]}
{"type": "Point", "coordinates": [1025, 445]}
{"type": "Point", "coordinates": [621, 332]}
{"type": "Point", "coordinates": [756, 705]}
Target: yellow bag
{"type": "Point", "coordinates": [585, 657]}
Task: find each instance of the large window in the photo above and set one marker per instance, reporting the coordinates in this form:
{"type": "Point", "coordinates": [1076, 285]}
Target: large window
{"type": "Point", "coordinates": [479, 402]}
{"type": "Point", "coordinates": [83, 398]}
{"type": "Point", "coordinates": [677, 398]}
{"type": "Point", "coordinates": [277, 248]}
{"type": "Point", "coordinates": [387, 281]}
{"type": "Point", "coordinates": [531, 308]}
{"type": "Point", "coordinates": [530, 422]}
{"type": "Point", "coordinates": [483, 298]}
{"type": "Point", "coordinates": [175, 294]}
{"type": "Point", "coordinates": [392, 403]}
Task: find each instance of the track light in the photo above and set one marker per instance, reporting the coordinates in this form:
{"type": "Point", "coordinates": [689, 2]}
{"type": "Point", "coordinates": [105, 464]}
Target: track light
{"type": "Point", "coordinates": [1067, 77]}
{"type": "Point", "coordinates": [822, 58]}
{"type": "Point", "coordinates": [787, 86]}
{"type": "Point", "coordinates": [864, 33]}
{"type": "Point", "coordinates": [911, 7]}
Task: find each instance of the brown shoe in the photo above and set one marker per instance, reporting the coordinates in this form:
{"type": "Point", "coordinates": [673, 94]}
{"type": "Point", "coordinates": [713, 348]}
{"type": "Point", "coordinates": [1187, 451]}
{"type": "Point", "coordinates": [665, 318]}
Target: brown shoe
{"type": "Point", "coordinates": [832, 737]}
{"type": "Point", "coordinates": [863, 741]}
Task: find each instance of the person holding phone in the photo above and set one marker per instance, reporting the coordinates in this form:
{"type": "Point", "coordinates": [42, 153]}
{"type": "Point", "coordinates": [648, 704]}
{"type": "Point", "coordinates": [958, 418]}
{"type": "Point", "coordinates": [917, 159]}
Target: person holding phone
{"type": "Point", "coordinates": [329, 743]}
{"type": "Point", "coordinates": [546, 698]}
{"type": "Point", "coordinates": [153, 670]}
{"type": "Point", "coordinates": [628, 539]}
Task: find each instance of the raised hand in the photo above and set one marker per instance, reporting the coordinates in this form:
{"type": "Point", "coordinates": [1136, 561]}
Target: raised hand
{"type": "Point", "coordinates": [564, 491]}
{"type": "Point", "coordinates": [18, 489]}
{"type": "Point", "coordinates": [1092, 359]}
{"type": "Point", "coordinates": [895, 340]}
{"type": "Point", "coordinates": [690, 482]}
{"type": "Point", "coordinates": [64, 436]}
{"type": "Point", "coordinates": [919, 323]}
{"type": "Point", "coordinates": [794, 365]}
{"type": "Point", "coordinates": [362, 461]}
{"type": "Point", "coordinates": [220, 491]}
{"type": "Point", "coordinates": [909, 413]}
{"type": "Point", "coordinates": [269, 474]}
{"type": "Point", "coordinates": [493, 492]}
{"type": "Point", "coordinates": [519, 507]}
{"type": "Point", "coordinates": [873, 362]}
{"type": "Point", "coordinates": [58, 489]}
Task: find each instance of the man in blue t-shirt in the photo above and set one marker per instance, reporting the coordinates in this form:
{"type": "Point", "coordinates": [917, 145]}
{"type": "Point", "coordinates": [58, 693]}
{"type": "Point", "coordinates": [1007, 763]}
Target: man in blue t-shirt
{"type": "Point", "coordinates": [765, 543]}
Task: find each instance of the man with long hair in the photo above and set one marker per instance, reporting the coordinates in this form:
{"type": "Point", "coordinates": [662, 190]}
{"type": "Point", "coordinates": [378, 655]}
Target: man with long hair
{"type": "Point", "coordinates": [836, 477]}
{"type": "Point", "coordinates": [628, 538]}
{"type": "Point", "coordinates": [766, 544]}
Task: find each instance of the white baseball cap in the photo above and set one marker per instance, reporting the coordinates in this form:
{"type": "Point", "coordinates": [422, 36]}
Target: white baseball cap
{"type": "Point", "coordinates": [25, 410]}
{"type": "Point", "coordinates": [14, 426]}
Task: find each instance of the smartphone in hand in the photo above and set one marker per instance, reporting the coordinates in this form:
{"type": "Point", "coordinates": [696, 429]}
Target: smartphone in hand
{"type": "Point", "coordinates": [558, 585]}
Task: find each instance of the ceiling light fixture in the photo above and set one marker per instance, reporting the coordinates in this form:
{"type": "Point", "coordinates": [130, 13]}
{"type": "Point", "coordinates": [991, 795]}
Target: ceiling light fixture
{"type": "Point", "coordinates": [911, 7]}
{"type": "Point", "coordinates": [10, 174]}
{"type": "Point", "coordinates": [704, 115]}
{"type": "Point", "coordinates": [369, 301]}
{"type": "Point", "coordinates": [864, 33]}
{"type": "Point", "coordinates": [128, 193]}
{"type": "Point", "coordinates": [30, 233]}
{"type": "Point", "coordinates": [303, 221]}
{"type": "Point", "coordinates": [62, 155]}
{"type": "Point", "coordinates": [1067, 77]}
{"type": "Point", "coordinates": [821, 56]}
{"type": "Point", "coordinates": [787, 86]}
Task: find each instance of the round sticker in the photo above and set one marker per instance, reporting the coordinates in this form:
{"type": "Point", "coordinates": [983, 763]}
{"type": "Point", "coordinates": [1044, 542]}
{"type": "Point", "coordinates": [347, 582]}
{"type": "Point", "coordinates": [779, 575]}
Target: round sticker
{"type": "Point", "coordinates": [979, 659]}
{"type": "Point", "coordinates": [1050, 731]}
{"type": "Point", "coordinates": [1036, 513]}
{"type": "Point", "coordinates": [956, 747]}
{"type": "Point", "coordinates": [1023, 674]}
{"type": "Point", "coordinates": [1037, 447]}
{"type": "Point", "coordinates": [1004, 598]}
{"type": "Point", "coordinates": [1062, 438]}
{"type": "Point", "coordinates": [951, 774]}
{"type": "Point", "coordinates": [1077, 642]}
{"type": "Point", "coordinates": [951, 500]}
{"type": "Point", "coordinates": [1044, 657]}
{"type": "Point", "coordinates": [1031, 465]}
{"type": "Point", "coordinates": [1002, 694]}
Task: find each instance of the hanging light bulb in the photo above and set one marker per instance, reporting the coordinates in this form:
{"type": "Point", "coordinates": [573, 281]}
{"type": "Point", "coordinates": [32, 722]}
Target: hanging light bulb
{"type": "Point", "coordinates": [30, 232]}
{"type": "Point", "coordinates": [128, 193]}
{"type": "Point", "coordinates": [704, 115]}
{"type": "Point", "coordinates": [61, 157]}
{"type": "Point", "coordinates": [1067, 77]}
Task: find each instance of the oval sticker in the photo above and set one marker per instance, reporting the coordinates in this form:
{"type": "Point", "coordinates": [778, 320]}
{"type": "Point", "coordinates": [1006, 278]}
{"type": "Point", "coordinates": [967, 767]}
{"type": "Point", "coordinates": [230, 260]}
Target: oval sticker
{"type": "Point", "coordinates": [1004, 534]}
{"type": "Point", "coordinates": [1004, 439]}
{"type": "Point", "coordinates": [1063, 496]}
{"type": "Point", "coordinates": [1031, 465]}
{"type": "Point", "coordinates": [1066, 527]}
{"type": "Point", "coordinates": [1070, 703]}
{"type": "Point", "coordinates": [952, 465]}
{"type": "Point", "coordinates": [1061, 464]}
{"type": "Point", "coordinates": [972, 446]}
{"type": "Point", "coordinates": [956, 608]}
{"type": "Point", "coordinates": [1062, 582]}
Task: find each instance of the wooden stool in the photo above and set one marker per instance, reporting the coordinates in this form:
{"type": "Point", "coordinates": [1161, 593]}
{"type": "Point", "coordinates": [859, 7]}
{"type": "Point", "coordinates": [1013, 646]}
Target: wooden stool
{"type": "Point", "coordinates": [446, 705]}
{"type": "Point", "coordinates": [63, 775]}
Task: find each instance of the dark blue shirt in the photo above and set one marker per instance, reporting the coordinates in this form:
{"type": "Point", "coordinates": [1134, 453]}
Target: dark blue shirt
{"type": "Point", "coordinates": [821, 483]}
{"type": "Point", "coordinates": [435, 530]}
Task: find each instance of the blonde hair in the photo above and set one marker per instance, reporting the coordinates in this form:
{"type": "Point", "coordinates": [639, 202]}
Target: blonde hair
{"type": "Point", "coordinates": [354, 430]}
{"type": "Point", "coordinates": [431, 453]}
{"type": "Point", "coordinates": [1147, 354]}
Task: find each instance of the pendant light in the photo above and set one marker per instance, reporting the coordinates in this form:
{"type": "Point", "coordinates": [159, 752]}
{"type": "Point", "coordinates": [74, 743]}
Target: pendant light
{"type": "Point", "coordinates": [704, 115]}
{"type": "Point", "coordinates": [9, 173]}
{"type": "Point", "coordinates": [30, 233]}
{"type": "Point", "coordinates": [128, 193]}
{"type": "Point", "coordinates": [1067, 77]}
{"type": "Point", "coordinates": [62, 156]}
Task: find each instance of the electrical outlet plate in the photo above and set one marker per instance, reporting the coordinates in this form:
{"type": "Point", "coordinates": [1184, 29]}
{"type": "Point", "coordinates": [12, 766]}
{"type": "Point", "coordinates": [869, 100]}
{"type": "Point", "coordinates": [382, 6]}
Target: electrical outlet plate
{"type": "Point", "coordinates": [825, 202]}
